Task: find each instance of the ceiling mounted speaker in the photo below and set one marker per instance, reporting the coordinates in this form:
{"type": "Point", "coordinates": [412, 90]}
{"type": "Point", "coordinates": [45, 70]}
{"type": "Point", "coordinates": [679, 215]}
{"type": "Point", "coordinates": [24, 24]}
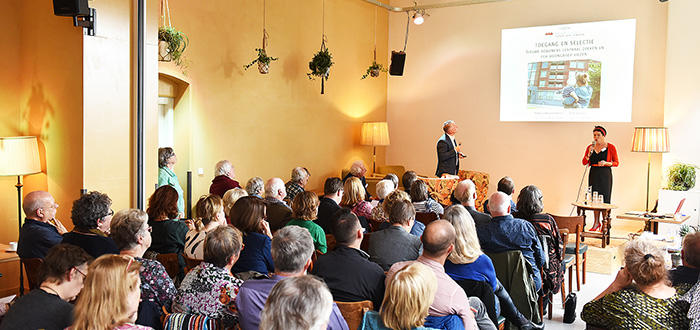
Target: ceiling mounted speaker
{"type": "Point", "coordinates": [398, 59]}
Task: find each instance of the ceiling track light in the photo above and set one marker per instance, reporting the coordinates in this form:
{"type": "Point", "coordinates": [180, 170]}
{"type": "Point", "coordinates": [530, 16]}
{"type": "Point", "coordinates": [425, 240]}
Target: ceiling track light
{"type": "Point", "coordinates": [419, 16]}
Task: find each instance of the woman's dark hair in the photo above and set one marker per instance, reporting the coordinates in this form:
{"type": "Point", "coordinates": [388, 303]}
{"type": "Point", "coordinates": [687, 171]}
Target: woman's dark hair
{"type": "Point", "coordinates": [246, 214]}
{"type": "Point", "coordinates": [221, 244]}
{"type": "Point", "coordinates": [90, 208]}
{"type": "Point", "coordinates": [407, 179]}
{"type": "Point", "coordinates": [600, 129]}
{"type": "Point", "coordinates": [529, 202]}
{"type": "Point", "coordinates": [419, 191]}
{"type": "Point", "coordinates": [163, 202]}
{"type": "Point", "coordinates": [163, 155]}
{"type": "Point", "coordinates": [60, 259]}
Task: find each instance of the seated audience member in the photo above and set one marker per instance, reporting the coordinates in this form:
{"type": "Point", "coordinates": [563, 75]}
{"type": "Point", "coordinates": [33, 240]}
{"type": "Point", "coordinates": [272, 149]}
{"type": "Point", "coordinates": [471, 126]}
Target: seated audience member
{"type": "Point", "coordinates": [292, 248]}
{"type": "Point", "coordinates": [408, 297]}
{"type": "Point", "coordinates": [465, 192]}
{"type": "Point", "coordinates": [530, 208]}
{"type": "Point", "coordinates": [168, 233]}
{"type": "Point", "coordinates": [358, 170]}
{"type": "Point", "coordinates": [506, 186]}
{"type": "Point", "coordinates": [505, 233]}
{"type": "Point", "coordinates": [208, 214]}
{"type": "Point", "coordinates": [131, 232]}
{"type": "Point", "coordinates": [297, 183]}
{"type": "Point", "coordinates": [395, 243]}
{"type": "Point", "coordinates": [384, 188]}
{"type": "Point", "coordinates": [304, 212]}
{"type": "Point", "coordinates": [248, 216]}
{"type": "Point", "coordinates": [354, 199]}
{"type": "Point", "coordinates": [329, 204]}
{"type": "Point", "coordinates": [223, 181]}
{"type": "Point", "coordinates": [255, 186]}
{"type": "Point", "coordinates": [422, 200]}
{"type": "Point", "coordinates": [407, 180]}
{"type": "Point", "coordinates": [689, 271]}
{"type": "Point", "coordinates": [297, 303]}
{"type": "Point", "coordinates": [385, 207]}
{"type": "Point", "coordinates": [438, 242]}
{"type": "Point", "coordinates": [347, 270]}
{"type": "Point", "coordinates": [90, 214]}
{"type": "Point", "coordinates": [230, 198]}
{"type": "Point", "coordinates": [467, 262]}
{"type": "Point", "coordinates": [393, 178]}
{"type": "Point", "coordinates": [278, 212]}
{"type": "Point", "coordinates": [209, 289]}
{"type": "Point", "coordinates": [110, 298]}
{"type": "Point", "coordinates": [48, 307]}
{"type": "Point", "coordinates": [41, 230]}
{"type": "Point", "coordinates": [640, 296]}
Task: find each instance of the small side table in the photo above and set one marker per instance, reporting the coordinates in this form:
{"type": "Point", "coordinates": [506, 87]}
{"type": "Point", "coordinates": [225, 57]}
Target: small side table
{"type": "Point", "coordinates": [604, 209]}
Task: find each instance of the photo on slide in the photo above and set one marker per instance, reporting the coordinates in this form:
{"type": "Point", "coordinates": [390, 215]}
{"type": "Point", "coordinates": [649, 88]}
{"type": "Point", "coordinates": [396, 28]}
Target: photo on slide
{"type": "Point", "coordinates": [571, 84]}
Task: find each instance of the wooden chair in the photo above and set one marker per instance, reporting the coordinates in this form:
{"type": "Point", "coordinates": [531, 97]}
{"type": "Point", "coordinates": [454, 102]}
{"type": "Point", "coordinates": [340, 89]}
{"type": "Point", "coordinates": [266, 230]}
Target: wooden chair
{"type": "Point", "coordinates": [568, 261]}
{"type": "Point", "coordinates": [191, 263]}
{"type": "Point", "coordinates": [171, 263]}
{"type": "Point", "coordinates": [32, 267]}
{"type": "Point", "coordinates": [574, 225]}
{"type": "Point", "coordinates": [426, 217]}
{"type": "Point", "coordinates": [330, 242]}
{"type": "Point", "coordinates": [364, 246]}
{"type": "Point", "coordinates": [354, 311]}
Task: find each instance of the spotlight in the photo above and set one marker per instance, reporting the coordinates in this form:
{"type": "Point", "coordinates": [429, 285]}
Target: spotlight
{"type": "Point", "coordinates": [418, 18]}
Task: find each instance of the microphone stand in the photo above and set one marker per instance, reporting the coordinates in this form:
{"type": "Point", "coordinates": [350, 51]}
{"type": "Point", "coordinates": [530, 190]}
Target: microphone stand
{"type": "Point", "coordinates": [578, 194]}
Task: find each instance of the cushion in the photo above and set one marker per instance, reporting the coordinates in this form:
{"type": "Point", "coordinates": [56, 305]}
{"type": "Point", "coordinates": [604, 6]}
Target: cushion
{"type": "Point", "coordinates": [571, 248]}
{"type": "Point", "coordinates": [568, 258]}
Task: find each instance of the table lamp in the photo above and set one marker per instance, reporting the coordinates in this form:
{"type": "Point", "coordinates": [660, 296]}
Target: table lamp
{"type": "Point", "coordinates": [19, 155]}
{"type": "Point", "coordinates": [650, 140]}
{"type": "Point", "coordinates": [375, 134]}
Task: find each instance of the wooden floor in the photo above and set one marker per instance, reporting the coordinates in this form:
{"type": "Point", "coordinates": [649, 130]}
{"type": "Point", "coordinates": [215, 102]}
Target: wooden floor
{"type": "Point", "coordinates": [609, 260]}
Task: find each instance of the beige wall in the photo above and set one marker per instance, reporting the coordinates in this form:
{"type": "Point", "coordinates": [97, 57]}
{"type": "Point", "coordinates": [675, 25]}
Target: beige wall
{"type": "Point", "coordinates": [682, 109]}
{"type": "Point", "coordinates": [453, 72]}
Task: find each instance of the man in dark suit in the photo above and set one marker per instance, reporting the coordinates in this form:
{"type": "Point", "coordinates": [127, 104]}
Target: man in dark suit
{"type": "Point", "coordinates": [465, 192]}
{"type": "Point", "coordinates": [448, 150]}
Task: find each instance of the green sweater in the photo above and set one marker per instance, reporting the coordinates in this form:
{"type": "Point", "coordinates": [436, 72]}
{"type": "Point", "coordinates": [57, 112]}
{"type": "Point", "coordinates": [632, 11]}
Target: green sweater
{"type": "Point", "coordinates": [317, 233]}
{"type": "Point", "coordinates": [168, 177]}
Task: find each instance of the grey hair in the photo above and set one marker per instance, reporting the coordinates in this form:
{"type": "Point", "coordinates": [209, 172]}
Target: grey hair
{"type": "Point", "coordinates": [297, 303]}
{"type": "Point", "coordinates": [468, 193]}
{"type": "Point", "coordinates": [222, 167]}
{"type": "Point", "coordinates": [529, 202]}
{"type": "Point", "coordinates": [299, 174]}
{"type": "Point", "coordinates": [444, 125]}
{"type": "Point", "coordinates": [272, 186]}
{"type": "Point", "coordinates": [291, 248]}
{"type": "Point", "coordinates": [163, 155]}
{"type": "Point", "coordinates": [384, 187]}
{"type": "Point", "coordinates": [357, 167]}
{"type": "Point", "coordinates": [254, 186]}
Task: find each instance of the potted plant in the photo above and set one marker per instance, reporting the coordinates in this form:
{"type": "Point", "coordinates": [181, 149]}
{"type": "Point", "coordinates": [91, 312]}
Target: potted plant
{"type": "Point", "coordinates": [681, 177]}
{"type": "Point", "coordinates": [171, 45]}
{"type": "Point", "coordinates": [263, 61]}
{"type": "Point", "coordinates": [320, 65]}
{"type": "Point", "coordinates": [680, 180]}
{"type": "Point", "coordinates": [374, 70]}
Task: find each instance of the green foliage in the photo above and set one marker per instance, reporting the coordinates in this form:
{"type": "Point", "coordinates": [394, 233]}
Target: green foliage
{"type": "Point", "coordinates": [374, 70]}
{"type": "Point", "coordinates": [686, 229]}
{"type": "Point", "coordinates": [594, 81]}
{"type": "Point", "coordinates": [681, 177]}
{"type": "Point", "coordinates": [177, 43]}
{"type": "Point", "coordinates": [262, 58]}
{"type": "Point", "coordinates": [320, 64]}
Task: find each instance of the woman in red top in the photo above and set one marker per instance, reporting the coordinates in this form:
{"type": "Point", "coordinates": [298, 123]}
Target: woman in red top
{"type": "Point", "coordinates": [601, 156]}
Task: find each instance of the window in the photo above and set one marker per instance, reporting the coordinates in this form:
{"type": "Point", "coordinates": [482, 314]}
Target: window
{"type": "Point", "coordinates": [543, 74]}
{"type": "Point", "coordinates": [542, 83]}
{"type": "Point", "coordinates": [545, 65]}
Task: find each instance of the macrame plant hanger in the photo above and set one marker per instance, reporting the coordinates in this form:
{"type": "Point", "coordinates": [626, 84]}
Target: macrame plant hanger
{"type": "Point", "coordinates": [323, 39]}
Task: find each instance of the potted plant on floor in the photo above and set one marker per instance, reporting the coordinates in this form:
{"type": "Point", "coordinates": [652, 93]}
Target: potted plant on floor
{"type": "Point", "coordinates": [263, 61]}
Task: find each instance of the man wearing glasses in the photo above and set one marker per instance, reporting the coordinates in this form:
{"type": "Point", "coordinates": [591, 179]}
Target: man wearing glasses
{"type": "Point", "coordinates": [41, 230]}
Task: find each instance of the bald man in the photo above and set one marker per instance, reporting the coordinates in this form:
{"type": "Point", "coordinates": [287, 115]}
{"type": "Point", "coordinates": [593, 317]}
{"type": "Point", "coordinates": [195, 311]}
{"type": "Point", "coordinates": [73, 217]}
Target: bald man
{"type": "Point", "coordinates": [41, 229]}
{"type": "Point", "coordinates": [465, 193]}
{"type": "Point", "coordinates": [278, 212]}
{"type": "Point", "coordinates": [438, 241]}
{"type": "Point", "coordinates": [505, 233]}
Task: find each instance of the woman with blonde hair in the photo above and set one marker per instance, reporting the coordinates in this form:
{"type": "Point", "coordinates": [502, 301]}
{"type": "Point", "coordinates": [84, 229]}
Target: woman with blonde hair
{"type": "Point", "coordinates": [407, 299]}
{"type": "Point", "coordinates": [110, 298]}
{"type": "Point", "coordinates": [304, 212]}
{"type": "Point", "coordinates": [640, 297]}
{"type": "Point", "coordinates": [230, 198]}
{"type": "Point", "coordinates": [208, 214]}
{"type": "Point", "coordinates": [354, 199]}
{"type": "Point", "coordinates": [468, 262]}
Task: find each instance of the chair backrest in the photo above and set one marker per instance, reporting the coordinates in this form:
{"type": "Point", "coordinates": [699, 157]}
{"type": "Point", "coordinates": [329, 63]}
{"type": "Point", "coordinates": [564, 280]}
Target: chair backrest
{"type": "Point", "coordinates": [364, 245]}
{"type": "Point", "coordinates": [516, 276]}
{"type": "Point", "coordinates": [191, 263]}
{"type": "Point", "coordinates": [573, 224]}
{"type": "Point", "coordinates": [426, 217]}
{"type": "Point", "coordinates": [32, 268]}
{"type": "Point", "coordinates": [171, 263]}
{"type": "Point", "coordinates": [483, 291]}
{"type": "Point", "coordinates": [330, 242]}
{"type": "Point", "coordinates": [354, 311]}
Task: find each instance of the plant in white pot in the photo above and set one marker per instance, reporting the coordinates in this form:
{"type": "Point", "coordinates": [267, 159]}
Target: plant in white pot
{"type": "Point", "coordinates": [680, 180]}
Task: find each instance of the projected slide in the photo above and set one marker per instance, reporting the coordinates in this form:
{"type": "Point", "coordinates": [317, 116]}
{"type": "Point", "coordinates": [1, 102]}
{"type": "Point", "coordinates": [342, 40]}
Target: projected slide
{"type": "Point", "coordinates": [574, 72]}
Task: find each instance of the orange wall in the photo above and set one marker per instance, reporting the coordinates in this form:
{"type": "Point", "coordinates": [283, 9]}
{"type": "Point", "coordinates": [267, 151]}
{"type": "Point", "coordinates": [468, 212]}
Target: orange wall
{"type": "Point", "coordinates": [453, 72]}
{"type": "Point", "coordinates": [268, 124]}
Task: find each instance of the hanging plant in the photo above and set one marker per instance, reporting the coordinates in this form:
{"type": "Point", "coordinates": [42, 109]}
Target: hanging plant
{"type": "Point", "coordinates": [320, 65]}
{"type": "Point", "coordinates": [263, 61]}
{"type": "Point", "coordinates": [374, 70]}
{"type": "Point", "coordinates": [171, 42]}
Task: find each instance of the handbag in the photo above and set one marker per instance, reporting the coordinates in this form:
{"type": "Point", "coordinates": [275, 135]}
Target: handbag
{"type": "Point", "coordinates": [570, 308]}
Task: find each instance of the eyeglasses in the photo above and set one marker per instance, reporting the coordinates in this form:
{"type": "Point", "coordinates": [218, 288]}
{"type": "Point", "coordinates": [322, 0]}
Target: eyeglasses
{"type": "Point", "coordinates": [81, 273]}
{"type": "Point", "coordinates": [149, 229]}
{"type": "Point", "coordinates": [110, 213]}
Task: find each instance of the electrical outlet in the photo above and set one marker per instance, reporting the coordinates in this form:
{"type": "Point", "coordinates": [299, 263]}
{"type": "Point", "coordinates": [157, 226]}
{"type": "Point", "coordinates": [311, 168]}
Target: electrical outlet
{"type": "Point", "coordinates": [200, 171]}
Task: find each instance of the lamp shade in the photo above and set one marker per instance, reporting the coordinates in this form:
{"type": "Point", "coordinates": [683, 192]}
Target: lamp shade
{"type": "Point", "coordinates": [19, 155]}
{"type": "Point", "coordinates": [375, 134]}
{"type": "Point", "coordinates": [650, 139]}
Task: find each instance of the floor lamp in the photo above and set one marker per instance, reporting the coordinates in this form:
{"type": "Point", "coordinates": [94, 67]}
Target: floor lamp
{"type": "Point", "coordinates": [19, 156]}
{"type": "Point", "coordinates": [375, 134]}
{"type": "Point", "coordinates": [650, 140]}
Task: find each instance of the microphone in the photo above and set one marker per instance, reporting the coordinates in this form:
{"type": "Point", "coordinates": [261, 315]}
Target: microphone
{"type": "Point", "coordinates": [459, 153]}
{"type": "Point", "coordinates": [590, 152]}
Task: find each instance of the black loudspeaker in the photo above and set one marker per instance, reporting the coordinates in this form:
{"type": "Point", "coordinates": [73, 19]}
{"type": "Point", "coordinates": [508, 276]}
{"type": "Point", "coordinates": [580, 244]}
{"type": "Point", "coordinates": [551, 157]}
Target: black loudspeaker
{"type": "Point", "coordinates": [71, 8]}
{"type": "Point", "coordinates": [398, 59]}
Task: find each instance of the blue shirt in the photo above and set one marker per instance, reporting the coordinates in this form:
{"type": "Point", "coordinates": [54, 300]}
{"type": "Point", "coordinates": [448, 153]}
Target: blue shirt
{"type": "Point", "coordinates": [36, 238]}
{"type": "Point", "coordinates": [507, 233]}
{"type": "Point", "coordinates": [480, 270]}
{"type": "Point", "coordinates": [255, 255]}
{"type": "Point", "coordinates": [251, 299]}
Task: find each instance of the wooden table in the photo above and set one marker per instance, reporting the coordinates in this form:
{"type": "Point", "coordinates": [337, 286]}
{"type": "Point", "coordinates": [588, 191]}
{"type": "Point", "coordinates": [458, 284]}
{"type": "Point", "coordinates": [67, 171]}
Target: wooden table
{"type": "Point", "coordinates": [604, 210]}
{"type": "Point", "coordinates": [652, 223]}
{"type": "Point", "coordinates": [6, 256]}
